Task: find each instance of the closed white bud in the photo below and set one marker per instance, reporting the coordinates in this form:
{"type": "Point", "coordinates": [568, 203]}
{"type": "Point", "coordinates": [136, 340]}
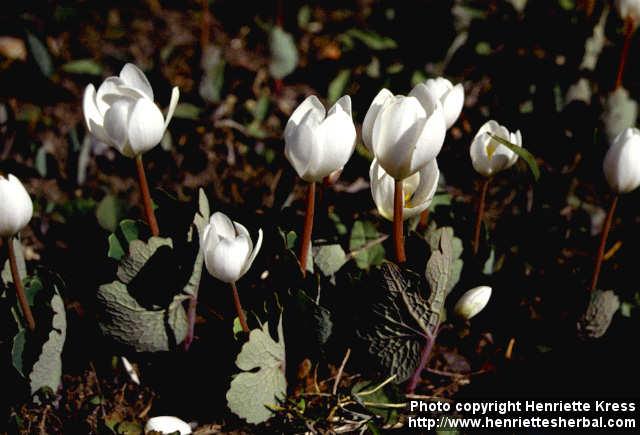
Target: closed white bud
{"type": "Point", "coordinates": [451, 97]}
{"type": "Point", "coordinates": [228, 249]}
{"type": "Point", "coordinates": [167, 425]}
{"type": "Point", "coordinates": [489, 156]}
{"type": "Point", "coordinates": [622, 162]}
{"type": "Point", "coordinates": [418, 190]}
{"type": "Point", "coordinates": [629, 9]}
{"type": "Point", "coordinates": [122, 112]}
{"type": "Point", "coordinates": [16, 208]}
{"type": "Point", "coordinates": [318, 143]}
{"type": "Point", "coordinates": [404, 133]}
{"type": "Point", "coordinates": [472, 302]}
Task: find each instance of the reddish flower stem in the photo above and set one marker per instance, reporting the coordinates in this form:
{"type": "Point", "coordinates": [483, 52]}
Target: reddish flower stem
{"type": "Point", "coordinates": [480, 215]}
{"type": "Point", "coordinates": [424, 360]}
{"type": "Point", "coordinates": [398, 237]}
{"type": "Point", "coordinates": [424, 219]}
{"type": "Point", "coordinates": [628, 33]}
{"type": "Point", "coordinates": [146, 198]}
{"type": "Point", "coordinates": [17, 281]}
{"type": "Point", "coordinates": [603, 243]}
{"type": "Point", "coordinates": [191, 319]}
{"type": "Point", "coordinates": [308, 227]}
{"type": "Point", "coordinates": [239, 310]}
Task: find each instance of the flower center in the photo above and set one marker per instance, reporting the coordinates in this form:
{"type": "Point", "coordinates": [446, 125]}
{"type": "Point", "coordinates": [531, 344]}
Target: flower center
{"type": "Point", "coordinates": [409, 187]}
{"type": "Point", "coordinates": [491, 148]}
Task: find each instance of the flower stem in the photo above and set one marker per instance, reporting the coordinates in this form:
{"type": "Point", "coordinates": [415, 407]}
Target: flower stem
{"type": "Point", "coordinates": [398, 222]}
{"type": "Point", "coordinates": [424, 219]}
{"type": "Point", "coordinates": [628, 33]}
{"type": "Point", "coordinates": [146, 197]}
{"type": "Point", "coordinates": [236, 300]}
{"type": "Point", "coordinates": [17, 281]}
{"type": "Point", "coordinates": [603, 243]}
{"type": "Point", "coordinates": [308, 227]}
{"type": "Point", "coordinates": [424, 359]}
{"type": "Point", "coordinates": [480, 215]}
{"type": "Point", "coordinates": [191, 319]}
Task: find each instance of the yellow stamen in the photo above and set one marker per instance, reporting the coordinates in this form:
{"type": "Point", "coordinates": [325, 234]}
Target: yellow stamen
{"type": "Point", "coordinates": [407, 199]}
{"type": "Point", "coordinates": [491, 148]}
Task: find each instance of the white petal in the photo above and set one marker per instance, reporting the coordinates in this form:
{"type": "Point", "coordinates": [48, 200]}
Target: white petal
{"type": "Point", "coordinates": [621, 164]}
{"type": "Point", "coordinates": [478, 154]}
{"type": "Point", "coordinates": [490, 126]}
{"type": "Point", "coordinates": [166, 425]}
{"type": "Point", "coordinates": [382, 190]}
{"type": "Point", "coordinates": [452, 104]}
{"type": "Point", "coordinates": [472, 302]}
{"type": "Point", "coordinates": [395, 134]}
{"type": "Point", "coordinates": [310, 110]}
{"type": "Point", "coordinates": [110, 86]}
{"type": "Point", "coordinates": [425, 96]}
{"type": "Point", "coordinates": [379, 101]}
{"type": "Point", "coordinates": [146, 126]}
{"type": "Point", "coordinates": [228, 259]}
{"type": "Point", "coordinates": [175, 96]}
{"type": "Point", "coordinates": [223, 226]}
{"type": "Point", "coordinates": [89, 108]}
{"type": "Point", "coordinates": [92, 116]}
{"type": "Point", "coordinates": [300, 146]}
{"type": "Point", "coordinates": [424, 192]}
{"type": "Point", "coordinates": [439, 86]}
{"type": "Point", "coordinates": [133, 77]}
{"type": "Point", "coordinates": [254, 253]}
{"type": "Point", "coordinates": [343, 103]}
{"type": "Point", "coordinates": [116, 122]}
{"type": "Point", "coordinates": [336, 137]}
{"type": "Point", "coordinates": [209, 237]}
{"type": "Point", "coordinates": [430, 141]}
{"type": "Point", "coordinates": [16, 208]}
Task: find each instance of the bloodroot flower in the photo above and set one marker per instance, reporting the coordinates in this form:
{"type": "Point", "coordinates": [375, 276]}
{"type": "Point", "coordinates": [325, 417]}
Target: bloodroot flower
{"type": "Point", "coordinates": [489, 156]}
{"type": "Point", "coordinates": [318, 143]}
{"type": "Point", "coordinates": [404, 132]}
{"type": "Point", "coordinates": [228, 249]}
{"type": "Point", "coordinates": [16, 208]}
{"type": "Point", "coordinates": [472, 302]}
{"type": "Point", "coordinates": [122, 112]}
{"type": "Point", "coordinates": [451, 97]}
{"type": "Point", "coordinates": [622, 162]}
{"type": "Point", "coordinates": [418, 190]}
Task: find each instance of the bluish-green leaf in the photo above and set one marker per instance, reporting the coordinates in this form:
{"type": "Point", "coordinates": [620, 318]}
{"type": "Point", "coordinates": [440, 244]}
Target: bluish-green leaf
{"type": "Point", "coordinates": [372, 39]}
{"type": "Point", "coordinates": [83, 66]}
{"type": "Point", "coordinates": [40, 54]}
{"type": "Point", "coordinates": [284, 54]}
{"type": "Point", "coordinates": [338, 85]}
{"type": "Point", "coordinates": [522, 153]}
{"type": "Point", "coordinates": [187, 111]}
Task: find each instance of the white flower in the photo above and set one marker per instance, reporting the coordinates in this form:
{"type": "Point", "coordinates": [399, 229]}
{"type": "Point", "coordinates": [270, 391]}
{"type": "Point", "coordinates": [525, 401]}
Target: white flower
{"type": "Point", "coordinates": [451, 97]}
{"type": "Point", "coordinates": [418, 190]}
{"type": "Point", "coordinates": [16, 207]}
{"type": "Point", "coordinates": [404, 132]}
{"type": "Point", "coordinates": [629, 9]}
{"type": "Point", "coordinates": [228, 249]}
{"type": "Point", "coordinates": [318, 143]}
{"type": "Point", "coordinates": [487, 154]}
{"type": "Point", "coordinates": [122, 112]}
{"type": "Point", "coordinates": [622, 162]}
{"type": "Point", "coordinates": [166, 425]}
{"type": "Point", "coordinates": [472, 302]}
